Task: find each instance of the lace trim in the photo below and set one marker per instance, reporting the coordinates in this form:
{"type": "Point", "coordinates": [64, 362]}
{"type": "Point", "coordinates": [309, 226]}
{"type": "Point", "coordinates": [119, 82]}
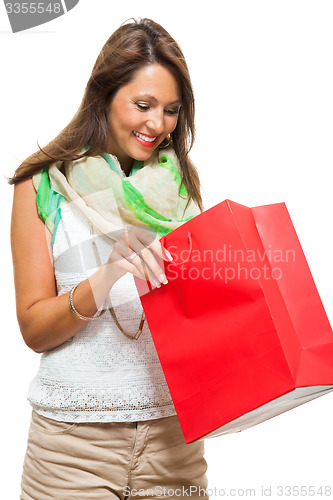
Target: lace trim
{"type": "Point", "coordinates": [105, 417]}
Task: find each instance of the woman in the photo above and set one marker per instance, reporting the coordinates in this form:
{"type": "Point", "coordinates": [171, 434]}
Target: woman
{"type": "Point", "coordinates": [106, 189]}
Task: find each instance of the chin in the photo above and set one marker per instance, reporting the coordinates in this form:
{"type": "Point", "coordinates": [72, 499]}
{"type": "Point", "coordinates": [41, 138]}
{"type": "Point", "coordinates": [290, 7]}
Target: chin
{"type": "Point", "coordinates": [144, 155]}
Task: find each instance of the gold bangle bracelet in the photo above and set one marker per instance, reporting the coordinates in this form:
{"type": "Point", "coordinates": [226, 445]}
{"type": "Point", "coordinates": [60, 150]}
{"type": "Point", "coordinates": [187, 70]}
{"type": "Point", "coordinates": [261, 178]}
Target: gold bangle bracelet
{"type": "Point", "coordinates": [74, 311]}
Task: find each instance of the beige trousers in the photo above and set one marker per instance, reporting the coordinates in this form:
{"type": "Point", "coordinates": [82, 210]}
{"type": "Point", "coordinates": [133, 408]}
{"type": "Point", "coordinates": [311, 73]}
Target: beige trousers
{"type": "Point", "coordinates": [103, 461]}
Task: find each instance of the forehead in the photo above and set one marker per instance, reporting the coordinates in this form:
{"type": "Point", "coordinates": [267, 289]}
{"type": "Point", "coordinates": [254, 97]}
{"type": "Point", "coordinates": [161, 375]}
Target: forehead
{"type": "Point", "coordinates": [154, 80]}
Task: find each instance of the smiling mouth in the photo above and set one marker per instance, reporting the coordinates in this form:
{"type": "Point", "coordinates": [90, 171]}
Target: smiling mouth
{"type": "Point", "coordinates": [145, 138]}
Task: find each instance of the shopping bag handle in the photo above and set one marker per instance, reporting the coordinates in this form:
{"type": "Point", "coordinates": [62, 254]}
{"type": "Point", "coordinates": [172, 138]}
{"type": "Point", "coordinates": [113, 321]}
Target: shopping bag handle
{"type": "Point", "coordinates": [189, 236]}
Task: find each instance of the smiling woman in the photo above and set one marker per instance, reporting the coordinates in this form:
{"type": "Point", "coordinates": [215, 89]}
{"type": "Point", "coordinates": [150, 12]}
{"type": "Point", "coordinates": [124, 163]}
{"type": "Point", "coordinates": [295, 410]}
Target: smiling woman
{"type": "Point", "coordinates": [96, 201]}
{"type": "Point", "coordinates": [142, 113]}
{"type": "Point", "coordinates": [127, 52]}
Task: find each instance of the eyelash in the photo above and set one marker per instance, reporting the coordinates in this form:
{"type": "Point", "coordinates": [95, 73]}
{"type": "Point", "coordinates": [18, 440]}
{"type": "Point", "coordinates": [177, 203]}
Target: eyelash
{"type": "Point", "coordinates": [146, 108]}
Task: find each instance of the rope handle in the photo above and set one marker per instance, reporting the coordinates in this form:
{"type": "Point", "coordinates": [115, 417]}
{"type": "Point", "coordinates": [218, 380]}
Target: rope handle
{"type": "Point", "coordinates": [189, 237]}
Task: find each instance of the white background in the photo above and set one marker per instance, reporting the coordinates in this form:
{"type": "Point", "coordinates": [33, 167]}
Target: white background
{"type": "Point", "coordinates": [263, 79]}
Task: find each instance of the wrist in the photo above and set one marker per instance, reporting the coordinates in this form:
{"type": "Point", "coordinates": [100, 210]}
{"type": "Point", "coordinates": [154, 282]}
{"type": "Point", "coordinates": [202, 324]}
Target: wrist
{"type": "Point", "coordinates": [76, 312]}
{"type": "Point", "coordinates": [111, 273]}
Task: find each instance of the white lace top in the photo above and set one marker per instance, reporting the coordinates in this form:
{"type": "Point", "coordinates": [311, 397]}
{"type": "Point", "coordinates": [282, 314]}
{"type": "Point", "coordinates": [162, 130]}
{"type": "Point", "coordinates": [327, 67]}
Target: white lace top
{"type": "Point", "coordinates": [98, 375]}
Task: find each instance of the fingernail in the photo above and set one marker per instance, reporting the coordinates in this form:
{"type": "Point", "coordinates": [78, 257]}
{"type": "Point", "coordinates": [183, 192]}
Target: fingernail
{"type": "Point", "coordinates": [163, 279]}
{"type": "Point", "coordinates": [168, 254]}
{"type": "Point", "coordinates": [156, 283]}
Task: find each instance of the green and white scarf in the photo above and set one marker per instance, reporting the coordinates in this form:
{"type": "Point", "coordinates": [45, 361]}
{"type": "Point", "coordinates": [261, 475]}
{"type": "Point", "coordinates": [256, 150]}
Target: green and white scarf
{"type": "Point", "coordinates": [152, 196]}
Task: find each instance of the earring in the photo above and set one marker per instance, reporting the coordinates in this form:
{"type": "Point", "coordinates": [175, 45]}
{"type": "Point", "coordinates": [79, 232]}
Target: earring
{"type": "Point", "coordinates": [166, 145]}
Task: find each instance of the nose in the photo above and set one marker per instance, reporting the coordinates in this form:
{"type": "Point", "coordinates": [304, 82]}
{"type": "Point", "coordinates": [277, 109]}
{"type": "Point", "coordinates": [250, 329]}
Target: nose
{"type": "Point", "coordinates": [155, 122]}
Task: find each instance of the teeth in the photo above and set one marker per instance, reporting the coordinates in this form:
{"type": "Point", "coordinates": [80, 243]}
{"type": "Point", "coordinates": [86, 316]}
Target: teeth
{"type": "Point", "coordinates": [144, 138]}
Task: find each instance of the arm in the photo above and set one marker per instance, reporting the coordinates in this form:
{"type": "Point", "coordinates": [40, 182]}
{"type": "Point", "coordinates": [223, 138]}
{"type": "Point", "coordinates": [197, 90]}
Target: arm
{"type": "Point", "coordinates": [45, 319]}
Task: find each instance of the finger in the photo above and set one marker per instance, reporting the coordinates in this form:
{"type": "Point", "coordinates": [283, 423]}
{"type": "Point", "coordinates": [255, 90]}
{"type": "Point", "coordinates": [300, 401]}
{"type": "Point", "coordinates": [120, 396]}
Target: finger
{"type": "Point", "coordinates": [137, 237]}
{"type": "Point", "coordinates": [136, 261]}
{"type": "Point", "coordinates": [151, 241]}
{"type": "Point", "coordinates": [124, 265]}
{"type": "Point", "coordinates": [152, 264]}
{"type": "Point", "coordinates": [141, 264]}
{"type": "Point", "coordinates": [160, 250]}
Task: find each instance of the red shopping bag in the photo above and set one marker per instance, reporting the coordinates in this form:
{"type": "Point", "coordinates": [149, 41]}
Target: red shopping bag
{"type": "Point", "coordinates": [240, 329]}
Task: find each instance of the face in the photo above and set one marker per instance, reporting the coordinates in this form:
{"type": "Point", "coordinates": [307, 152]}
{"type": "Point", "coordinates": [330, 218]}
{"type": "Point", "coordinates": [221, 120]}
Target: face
{"type": "Point", "coordinates": [142, 113]}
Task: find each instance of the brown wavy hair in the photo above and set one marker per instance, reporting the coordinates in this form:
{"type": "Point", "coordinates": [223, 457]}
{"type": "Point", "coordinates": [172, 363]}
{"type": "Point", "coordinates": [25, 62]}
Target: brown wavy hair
{"type": "Point", "coordinates": [131, 47]}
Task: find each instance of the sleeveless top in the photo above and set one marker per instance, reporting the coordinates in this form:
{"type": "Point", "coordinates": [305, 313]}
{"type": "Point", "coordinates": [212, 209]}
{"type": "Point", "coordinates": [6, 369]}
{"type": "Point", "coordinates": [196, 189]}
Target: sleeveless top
{"type": "Point", "coordinates": [98, 375]}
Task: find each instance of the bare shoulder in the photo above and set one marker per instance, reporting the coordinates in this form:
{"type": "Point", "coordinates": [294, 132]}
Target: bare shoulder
{"type": "Point", "coordinates": [24, 196]}
{"type": "Point", "coordinates": [31, 248]}
{"type": "Point", "coordinates": [25, 219]}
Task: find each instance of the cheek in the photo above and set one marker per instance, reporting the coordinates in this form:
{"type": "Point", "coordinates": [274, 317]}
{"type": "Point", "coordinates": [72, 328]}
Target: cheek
{"type": "Point", "coordinates": [172, 124]}
{"type": "Point", "coordinates": [122, 120]}
{"type": "Point", "coordinates": [129, 120]}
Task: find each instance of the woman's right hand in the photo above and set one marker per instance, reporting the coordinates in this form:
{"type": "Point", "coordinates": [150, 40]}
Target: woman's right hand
{"type": "Point", "coordinates": [144, 264]}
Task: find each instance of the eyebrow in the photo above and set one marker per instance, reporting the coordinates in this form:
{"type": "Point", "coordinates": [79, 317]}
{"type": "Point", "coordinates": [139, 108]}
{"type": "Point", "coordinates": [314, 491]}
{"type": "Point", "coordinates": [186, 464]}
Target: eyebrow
{"type": "Point", "coordinates": [179, 101]}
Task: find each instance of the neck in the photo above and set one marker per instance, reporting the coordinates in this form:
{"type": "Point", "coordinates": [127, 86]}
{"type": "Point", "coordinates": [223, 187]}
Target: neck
{"type": "Point", "coordinates": [126, 162]}
{"type": "Point", "coordinates": [127, 166]}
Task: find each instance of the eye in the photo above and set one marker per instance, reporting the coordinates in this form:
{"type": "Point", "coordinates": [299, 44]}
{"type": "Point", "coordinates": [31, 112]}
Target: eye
{"type": "Point", "coordinates": [172, 111]}
{"type": "Point", "coordinates": [145, 107]}
{"type": "Point", "coordinates": [142, 107]}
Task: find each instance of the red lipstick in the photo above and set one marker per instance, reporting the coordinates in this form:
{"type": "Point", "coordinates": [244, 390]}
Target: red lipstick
{"type": "Point", "coordinates": [146, 144]}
